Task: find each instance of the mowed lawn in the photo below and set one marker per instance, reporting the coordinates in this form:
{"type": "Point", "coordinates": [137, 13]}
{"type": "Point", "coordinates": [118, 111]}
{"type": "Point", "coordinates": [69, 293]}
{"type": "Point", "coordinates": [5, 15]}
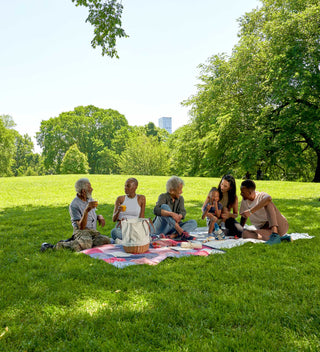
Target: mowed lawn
{"type": "Point", "coordinates": [253, 298]}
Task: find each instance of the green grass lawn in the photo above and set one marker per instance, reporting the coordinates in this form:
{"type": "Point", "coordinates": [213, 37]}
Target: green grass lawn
{"type": "Point", "coordinates": [253, 298]}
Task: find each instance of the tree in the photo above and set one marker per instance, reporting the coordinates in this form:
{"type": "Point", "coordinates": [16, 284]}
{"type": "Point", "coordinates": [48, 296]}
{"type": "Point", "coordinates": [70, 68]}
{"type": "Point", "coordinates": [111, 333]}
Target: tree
{"type": "Point", "coordinates": [105, 17]}
{"type": "Point", "coordinates": [108, 161]}
{"type": "Point", "coordinates": [285, 55]}
{"type": "Point", "coordinates": [24, 159]}
{"type": "Point", "coordinates": [7, 121]}
{"type": "Point", "coordinates": [151, 130]}
{"type": "Point", "coordinates": [144, 156]}
{"type": "Point", "coordinates": [6, 149]}
{"type": "Point", "coordinates": [261, 105]}
{"type": "Point", "coordinates": [185, 152]}
{"type": "Point", "coordinates": [19, 155]}
{"type": "Point", "coordinates": [74, 162]}
{"type": "Point", "coordinates": [91, 128]}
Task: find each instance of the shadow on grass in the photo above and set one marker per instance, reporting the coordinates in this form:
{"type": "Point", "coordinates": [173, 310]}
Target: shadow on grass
{"type": "Point", "coordinates": [302, 215]}
{"type": "Point", "coordinates": [53, 299]}
{"type": "Point", "coordinates": [30, 226]}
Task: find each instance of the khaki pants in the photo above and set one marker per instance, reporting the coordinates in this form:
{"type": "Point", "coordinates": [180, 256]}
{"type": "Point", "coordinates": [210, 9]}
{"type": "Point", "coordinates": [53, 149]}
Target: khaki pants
{"type": "Point", "coordinates": [84, 239]}
{"type": "Point", "coordinates": [275, 218]}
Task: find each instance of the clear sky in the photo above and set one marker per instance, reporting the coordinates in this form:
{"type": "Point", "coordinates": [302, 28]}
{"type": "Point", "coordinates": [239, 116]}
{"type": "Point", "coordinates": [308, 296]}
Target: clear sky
{"type": "Point", "coordinates": [47, 64]}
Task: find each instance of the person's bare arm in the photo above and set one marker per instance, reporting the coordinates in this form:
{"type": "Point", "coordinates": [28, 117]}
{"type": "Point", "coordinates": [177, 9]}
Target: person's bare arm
{"type": "Point", "coordinates": [205, 212]}
{"type": "Point", "coordinates": [117, 208]}
{"type": "Point", "coordinates": [206, 207]}
{"type": "Point", "coordinates": [82, 223]}
{"type": "Point", "coordinates": [101, 220]}
{"type": "Point", "coordinates": [218, 211]}
{"type": "Point", "coordinates": [226, 214]}
{"type": "Point", "coordinates": [175, 216]}
{"type": "Point", "coordinates": [264, 202]}
{"type": "Point", "coordinates": [142, 203]}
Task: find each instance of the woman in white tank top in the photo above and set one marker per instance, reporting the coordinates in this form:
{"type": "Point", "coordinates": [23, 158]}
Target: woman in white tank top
{"type": "Point", "coordinates": [134, 206]}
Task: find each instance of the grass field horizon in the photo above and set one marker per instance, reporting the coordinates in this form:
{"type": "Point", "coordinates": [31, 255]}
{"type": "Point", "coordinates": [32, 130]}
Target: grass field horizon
{"type": "Point", "coordinates": [253, 298]}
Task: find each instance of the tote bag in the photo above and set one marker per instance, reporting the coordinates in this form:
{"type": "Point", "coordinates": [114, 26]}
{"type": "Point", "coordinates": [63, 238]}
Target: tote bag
{"type": "Point", "coordinates": [136, 234]}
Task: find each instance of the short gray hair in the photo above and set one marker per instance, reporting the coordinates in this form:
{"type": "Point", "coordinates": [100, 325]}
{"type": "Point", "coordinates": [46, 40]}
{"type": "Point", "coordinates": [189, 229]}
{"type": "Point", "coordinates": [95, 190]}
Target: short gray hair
{"type": "Point", "coordinates": [81, 184]}
{"type": "Point", "coordinates": [173, 183]}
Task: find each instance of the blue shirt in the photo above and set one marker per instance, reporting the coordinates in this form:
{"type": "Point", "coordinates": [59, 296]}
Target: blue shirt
{"type": "Point", "coordinates": [213, 209]}
{"type": "Point", "coordinates": [76, 210]}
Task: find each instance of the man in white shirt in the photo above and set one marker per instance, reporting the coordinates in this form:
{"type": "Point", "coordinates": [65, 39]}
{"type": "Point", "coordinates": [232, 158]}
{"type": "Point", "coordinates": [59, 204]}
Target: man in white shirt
{"type": "Point", "coordinates": [270, 224]}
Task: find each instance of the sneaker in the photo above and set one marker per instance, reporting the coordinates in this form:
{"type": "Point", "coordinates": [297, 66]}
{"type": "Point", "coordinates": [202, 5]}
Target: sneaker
{"type": "Point", "coordinates": [274, 239]}
{"type": "Point", "coordinates": [46, 246]}
{"type": "Point", "coordinates": [185, 236]}
{"type": "Point", "coordinates": [286, 238]}
{"type": "Point", "coordinates": [219, 235]}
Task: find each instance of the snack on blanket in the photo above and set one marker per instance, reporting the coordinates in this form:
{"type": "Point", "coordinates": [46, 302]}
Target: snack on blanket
{"type": "Point", "coordinates": [193, 245]}
{"type": "Point", "coordinates": [208, 239]}
{"type": "Point", "coordinates": [164, 242]}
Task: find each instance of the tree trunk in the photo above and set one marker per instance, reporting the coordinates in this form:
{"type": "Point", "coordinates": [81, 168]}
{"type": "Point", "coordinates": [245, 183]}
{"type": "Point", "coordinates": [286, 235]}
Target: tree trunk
{"type": "Point", "coordinates": [317, 174]}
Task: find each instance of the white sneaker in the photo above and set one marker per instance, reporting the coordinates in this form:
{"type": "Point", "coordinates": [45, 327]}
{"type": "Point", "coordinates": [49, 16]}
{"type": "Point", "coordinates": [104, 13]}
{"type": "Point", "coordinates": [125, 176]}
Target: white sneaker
{"type": "Point", "coordinates": [219, 235]}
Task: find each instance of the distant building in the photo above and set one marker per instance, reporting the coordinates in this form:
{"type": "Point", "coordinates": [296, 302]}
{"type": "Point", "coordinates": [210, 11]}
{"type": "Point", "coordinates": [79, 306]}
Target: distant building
{"type": "Point", "coordinates": [166, 123]}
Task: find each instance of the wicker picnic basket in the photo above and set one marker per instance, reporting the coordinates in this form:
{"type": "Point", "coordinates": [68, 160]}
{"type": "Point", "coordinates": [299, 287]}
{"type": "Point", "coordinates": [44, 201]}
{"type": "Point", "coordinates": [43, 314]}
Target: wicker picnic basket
{"type": "Point", "coordinates": [135, 235]}
{"type": "Point", "coordinates": [136, 249]}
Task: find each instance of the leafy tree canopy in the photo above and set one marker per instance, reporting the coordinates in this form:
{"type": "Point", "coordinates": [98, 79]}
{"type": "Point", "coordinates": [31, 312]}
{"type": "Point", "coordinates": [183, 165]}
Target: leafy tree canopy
{"type": "Point", "coordinates": [6, 149]}
{"type": "Point", "coordinates": [260, 106]}
{"type": "Point", "coordinates": [91, 128]}
{"type": "Point", "coordinates": [105, 17]}
{"type": "Point", "coordinates": [17, 151]}
{"type": "Point", "coordinates": [151, 130]}
{"type": "Point", "coordinates": [144, 155]}
{"type": "Point", "coordinates": [74, 162]}
{"type": "Point", "coordinates": [7, 121]}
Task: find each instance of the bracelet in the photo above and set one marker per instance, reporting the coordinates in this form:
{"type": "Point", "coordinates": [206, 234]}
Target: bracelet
{"type": "Point", "coordinates": [250, 211]}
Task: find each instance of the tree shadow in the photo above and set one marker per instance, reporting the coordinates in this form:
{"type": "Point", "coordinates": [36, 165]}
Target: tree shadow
{"type": "Point", "coordinates": [303, 215]}
{"type": "Point", "coordinates": [60, 297]}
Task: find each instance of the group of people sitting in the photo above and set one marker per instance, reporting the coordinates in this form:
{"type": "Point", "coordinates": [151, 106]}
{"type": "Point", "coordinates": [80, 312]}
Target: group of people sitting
{"type": "Point", "coordinates": [220, 209]}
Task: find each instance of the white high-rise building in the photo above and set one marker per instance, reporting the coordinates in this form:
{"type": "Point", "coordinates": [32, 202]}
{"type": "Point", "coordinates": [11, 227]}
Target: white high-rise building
{"type": "Point", "coordinates": [166, 123]}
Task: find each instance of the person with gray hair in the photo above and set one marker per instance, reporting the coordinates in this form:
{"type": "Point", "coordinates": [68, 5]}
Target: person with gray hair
{"type": "Point", "coordinates": [170, 212]}
{"type": "Point", "coordinates": [84, 221]}
{"type": "Point", "coordinates": [81, 184]}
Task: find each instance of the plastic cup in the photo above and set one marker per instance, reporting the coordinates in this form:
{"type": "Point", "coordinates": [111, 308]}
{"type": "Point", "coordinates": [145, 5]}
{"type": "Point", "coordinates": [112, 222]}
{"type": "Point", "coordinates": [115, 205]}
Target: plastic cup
{"type": "Point", "coordinates": [93, 203]}
{"type": "Point", "coordinates": [123, 207]}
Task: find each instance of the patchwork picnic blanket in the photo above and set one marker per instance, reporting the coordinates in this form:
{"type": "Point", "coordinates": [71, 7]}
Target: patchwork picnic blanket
{"type": "Point", "coordinates": [114, 253]}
